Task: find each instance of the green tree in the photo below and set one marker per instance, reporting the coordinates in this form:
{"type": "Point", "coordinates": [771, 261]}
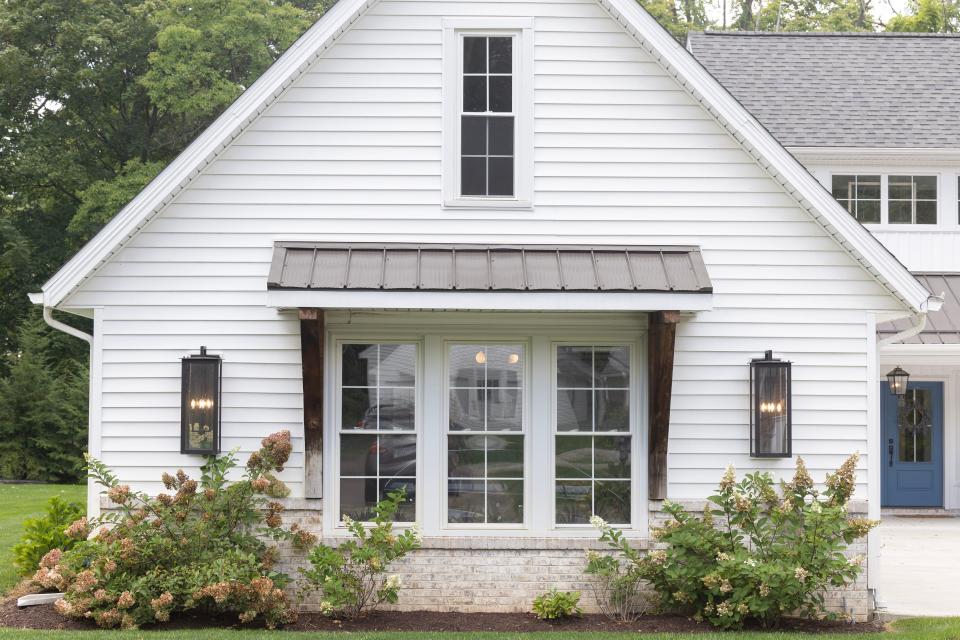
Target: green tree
{"type": "Point", "coordinates": [679, 16]}
{"type": "Point", "coordinates": [43, 407]}
{"type": "Point", "coordinates": [928, 16]}
{"type": "Point", "coordinates": [815, 15]}
{"type": "Point", "coordinates": [95, 98]}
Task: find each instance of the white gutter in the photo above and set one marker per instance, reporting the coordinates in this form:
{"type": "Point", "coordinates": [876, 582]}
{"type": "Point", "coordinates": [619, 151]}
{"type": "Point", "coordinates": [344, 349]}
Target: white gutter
{"type": "Point", "coordinates": [37, 298]}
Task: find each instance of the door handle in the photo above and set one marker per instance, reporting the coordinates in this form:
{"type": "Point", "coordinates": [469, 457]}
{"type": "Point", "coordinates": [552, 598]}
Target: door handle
{"type": "Point", "coordinates": [890, 450]}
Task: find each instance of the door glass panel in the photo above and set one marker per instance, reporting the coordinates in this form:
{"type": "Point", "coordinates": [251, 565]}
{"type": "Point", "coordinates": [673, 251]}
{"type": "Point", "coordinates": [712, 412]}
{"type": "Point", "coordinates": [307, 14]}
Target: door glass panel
{"type": "Point", "coordinates": [915, 426]}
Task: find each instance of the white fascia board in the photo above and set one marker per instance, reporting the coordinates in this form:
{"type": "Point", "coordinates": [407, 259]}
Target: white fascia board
{"type": "Point", "coordinates": [36, 298]}
{"type": "Point", "coordinates": [878, 156]}
{"type": "Point", "coordinates": [678, 62]}
{"type": "Point", "coordinates": [769, 153]}
{"type": "Point", "coordinates": [489, 300]}
{"type": "Point", "coordinates": [204, 149]}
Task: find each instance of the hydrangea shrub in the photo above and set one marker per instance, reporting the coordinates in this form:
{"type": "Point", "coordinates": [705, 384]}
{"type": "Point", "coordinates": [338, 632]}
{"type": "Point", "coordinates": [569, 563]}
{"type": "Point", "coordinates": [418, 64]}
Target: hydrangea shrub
{"type": "Point", "coordinates": [756, 553]}
{"type": "Point", "coordinates": [203, 547]}
{"type": "Point", "coordinates": [353, 578]}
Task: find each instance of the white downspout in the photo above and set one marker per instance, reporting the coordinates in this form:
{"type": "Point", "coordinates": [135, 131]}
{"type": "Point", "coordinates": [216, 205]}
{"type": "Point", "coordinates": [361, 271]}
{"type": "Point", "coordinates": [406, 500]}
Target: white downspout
{"type": "Point", "coordinates": [933, 303]}
{"type": "Point", "coordinates": [93, 408]}
{"type": "Point", "coordinates": [906, 333]}
{"type": "Point", "coordinates": [60, 326]}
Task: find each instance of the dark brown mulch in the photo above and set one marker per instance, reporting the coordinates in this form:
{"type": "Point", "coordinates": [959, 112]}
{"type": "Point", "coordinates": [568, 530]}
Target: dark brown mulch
{"type": "Point", "coordinates": [44, 617]}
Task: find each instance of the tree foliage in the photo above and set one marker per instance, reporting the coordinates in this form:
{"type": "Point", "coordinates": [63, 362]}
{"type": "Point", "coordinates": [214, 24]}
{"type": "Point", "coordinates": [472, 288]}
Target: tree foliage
{"type": "Point", "coordinates": [928, 16]}
{"type": "Point", "coordinates": [96, 97]}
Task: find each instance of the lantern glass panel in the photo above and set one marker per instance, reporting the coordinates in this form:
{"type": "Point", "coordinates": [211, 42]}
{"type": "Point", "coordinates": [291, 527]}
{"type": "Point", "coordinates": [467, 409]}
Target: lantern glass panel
{"type": "Point", "coordinates": [201, 405]}
{"type": "Point", "coordinates": [771, 409]}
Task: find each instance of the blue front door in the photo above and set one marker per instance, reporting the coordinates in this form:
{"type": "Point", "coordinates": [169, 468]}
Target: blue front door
{"type": "Point", "coordinates": [913, 446]}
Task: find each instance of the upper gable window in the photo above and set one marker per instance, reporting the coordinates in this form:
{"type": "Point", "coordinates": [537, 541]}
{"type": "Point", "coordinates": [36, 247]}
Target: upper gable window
{"type": "Point", "coordinates": [488, 130]}
{"type": "Point", "coordinates": [912, 199]}
{"type": "Point", "coordinates": [487, 117]}
{"type": "Point", "coordinates": [860, 195]}
{"type": "Point", "coordinates": [888, 199]}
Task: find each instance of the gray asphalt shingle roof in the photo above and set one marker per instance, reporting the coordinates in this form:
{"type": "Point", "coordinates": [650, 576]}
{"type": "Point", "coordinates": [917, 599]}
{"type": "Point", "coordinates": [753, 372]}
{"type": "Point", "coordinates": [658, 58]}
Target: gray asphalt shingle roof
{"type": "Point", "coordinates": [842, 90]}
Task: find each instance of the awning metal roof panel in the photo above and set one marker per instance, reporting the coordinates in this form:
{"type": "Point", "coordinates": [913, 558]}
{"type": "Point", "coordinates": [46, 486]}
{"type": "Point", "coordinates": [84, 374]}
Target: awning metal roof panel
{"type": "Point", "coordinates": [434, 267]}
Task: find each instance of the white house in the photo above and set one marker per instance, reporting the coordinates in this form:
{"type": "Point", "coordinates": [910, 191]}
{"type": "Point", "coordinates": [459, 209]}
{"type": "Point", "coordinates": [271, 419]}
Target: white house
{"type": "Point", "coordinates": [514, 256]}
{"type": "Point", "coordinates": [874, 118]}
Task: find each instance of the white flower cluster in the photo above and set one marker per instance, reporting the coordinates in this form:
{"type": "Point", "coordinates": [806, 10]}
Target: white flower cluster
{"type": "Point", "coordinates": [393, 582]}
{"type": "Point", "coordinates": [597, 522]}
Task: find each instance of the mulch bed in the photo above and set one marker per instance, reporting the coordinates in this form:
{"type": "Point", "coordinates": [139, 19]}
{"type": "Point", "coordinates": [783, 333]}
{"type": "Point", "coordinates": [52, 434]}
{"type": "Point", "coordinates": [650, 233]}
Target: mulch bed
{"type": "Point", "coordinates": [44, 617]}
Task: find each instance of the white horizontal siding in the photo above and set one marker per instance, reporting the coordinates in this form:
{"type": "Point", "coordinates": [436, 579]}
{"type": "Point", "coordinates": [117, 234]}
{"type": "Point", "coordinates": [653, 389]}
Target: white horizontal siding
{"type": "Point", "coordinates": [352, 152]}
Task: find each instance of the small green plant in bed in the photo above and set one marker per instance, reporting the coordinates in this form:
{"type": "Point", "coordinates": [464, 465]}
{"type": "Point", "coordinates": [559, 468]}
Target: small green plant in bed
{"type": "Point", "coordinates": [198, 549]}
{"type": "Point", "coordinates": [353, 578]}
{"type": "Point", "coordinates": [554, 605]}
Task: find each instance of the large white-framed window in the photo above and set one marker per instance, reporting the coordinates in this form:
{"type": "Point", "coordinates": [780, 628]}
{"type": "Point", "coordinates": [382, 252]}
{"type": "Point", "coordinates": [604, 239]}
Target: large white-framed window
{"type": "Point", "coordinates": [488, 112]}
{"type": "Point", "coordinates": [377, 408]}
{"type": "Point", "coordinates": [485, 454]}
{"type": "Point", "coordinates": [486, 434]}
{"type": "Point", "coordinates": [593, 432]}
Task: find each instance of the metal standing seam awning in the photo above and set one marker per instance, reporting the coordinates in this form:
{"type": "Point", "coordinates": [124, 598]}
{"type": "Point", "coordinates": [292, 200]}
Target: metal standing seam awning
{"type": "Point", "coordinates": [465, 276]}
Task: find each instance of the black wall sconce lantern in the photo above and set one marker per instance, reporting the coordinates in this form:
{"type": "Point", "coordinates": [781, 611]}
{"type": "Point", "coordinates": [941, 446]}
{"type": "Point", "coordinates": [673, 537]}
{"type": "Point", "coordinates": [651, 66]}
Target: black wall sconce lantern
{"type": "Point", "coordinates": [200, 404]}
{"type": "Point", "coordinates": [898, 379]}
{"type": "Point", "coordinates": [771, 400]}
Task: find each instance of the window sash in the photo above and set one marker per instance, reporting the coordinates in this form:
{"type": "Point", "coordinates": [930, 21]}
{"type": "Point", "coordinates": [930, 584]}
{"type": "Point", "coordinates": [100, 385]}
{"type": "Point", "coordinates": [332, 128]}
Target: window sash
{"type": "Point", "coordinates": [450, 434]}
{"type": "Point", "coordinates": [894, 181]}
{"type": "Point", "coordinates": [462, 114]}
{"type": "Point", "coordinates": [628, 434]}
{"type": "Point", "coordinates": [378, 434]}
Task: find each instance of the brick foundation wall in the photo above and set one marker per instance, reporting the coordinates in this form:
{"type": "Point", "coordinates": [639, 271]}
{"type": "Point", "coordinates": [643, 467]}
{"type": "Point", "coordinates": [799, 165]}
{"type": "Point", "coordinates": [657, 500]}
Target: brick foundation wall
{"type": "Point", "coordinates": [505, 574]}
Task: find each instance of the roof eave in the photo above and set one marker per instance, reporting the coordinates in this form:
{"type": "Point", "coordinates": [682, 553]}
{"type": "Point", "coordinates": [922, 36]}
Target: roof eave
{"type": "Point", "coordinates": [798, 182]}
{"type": "Point", "coordinates": [203, 150]}
{"type": "Point", "coordinates": [650, 35]}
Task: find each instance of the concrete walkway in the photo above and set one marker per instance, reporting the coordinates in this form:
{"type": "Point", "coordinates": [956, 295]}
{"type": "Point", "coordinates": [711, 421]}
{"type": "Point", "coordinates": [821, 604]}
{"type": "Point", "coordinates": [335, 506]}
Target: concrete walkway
{"type": "Point", "coordinates": [919, 566]}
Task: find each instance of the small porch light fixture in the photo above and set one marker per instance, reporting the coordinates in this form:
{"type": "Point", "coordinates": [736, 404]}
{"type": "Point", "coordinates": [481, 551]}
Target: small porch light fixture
{"type": "Point", "coordinates": [200, 404]}
{"type": "Point", "coordinates": [770, 408]}
{"type": "Point", "coordinates": [898, 379]}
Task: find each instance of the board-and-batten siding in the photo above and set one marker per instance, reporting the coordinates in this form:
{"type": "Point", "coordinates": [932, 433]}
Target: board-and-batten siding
{"type": "Point", "coordinates": [352, 152]}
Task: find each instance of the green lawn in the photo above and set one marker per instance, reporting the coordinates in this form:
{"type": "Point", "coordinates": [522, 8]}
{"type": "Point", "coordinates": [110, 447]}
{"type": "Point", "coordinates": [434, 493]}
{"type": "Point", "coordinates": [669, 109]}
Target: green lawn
{"type": "Point", "coordinates": [917, 629]}
{"type": "Point", "coordinates": [21, 501]}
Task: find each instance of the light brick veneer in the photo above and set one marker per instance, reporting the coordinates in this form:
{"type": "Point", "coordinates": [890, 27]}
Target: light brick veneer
{"type": "Point", "coordinates": [505, 574]}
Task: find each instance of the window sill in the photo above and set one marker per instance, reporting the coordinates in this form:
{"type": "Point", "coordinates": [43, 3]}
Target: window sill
{"type": "Point", "coordinates": [488, 542]}
{"type": "Point", "coordinates": [470, 203]}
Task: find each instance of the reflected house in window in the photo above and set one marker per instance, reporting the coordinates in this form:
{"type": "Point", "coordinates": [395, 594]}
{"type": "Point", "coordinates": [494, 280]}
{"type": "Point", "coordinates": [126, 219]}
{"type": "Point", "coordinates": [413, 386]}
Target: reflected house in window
{"type": "Point", "coordinates": [485, 441]}
{"type": "Point", "coordinates": [378, 441]}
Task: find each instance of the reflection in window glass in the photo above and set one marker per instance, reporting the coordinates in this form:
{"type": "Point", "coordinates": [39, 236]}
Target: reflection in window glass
{"type": "Point", "coordinates": [485, 443]}
{"type": "Point", "coordinates": [915, 426]}
{"type": "Point", "coordinates": [593, 441]}
{"type": "Point", "coordinates": [860, 195]}
{"type": "Point", "coordinates": [378, 400]}
{"type": "Point", "coordinates": [912, 199]}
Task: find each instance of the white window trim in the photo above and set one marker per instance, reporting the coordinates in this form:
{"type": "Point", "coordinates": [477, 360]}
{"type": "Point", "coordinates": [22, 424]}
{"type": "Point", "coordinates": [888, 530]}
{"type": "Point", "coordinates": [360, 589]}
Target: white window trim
{"type": "Point", "coordinates": [522, 30]}
{"type": "Point", "coordinates": [540, 335]}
